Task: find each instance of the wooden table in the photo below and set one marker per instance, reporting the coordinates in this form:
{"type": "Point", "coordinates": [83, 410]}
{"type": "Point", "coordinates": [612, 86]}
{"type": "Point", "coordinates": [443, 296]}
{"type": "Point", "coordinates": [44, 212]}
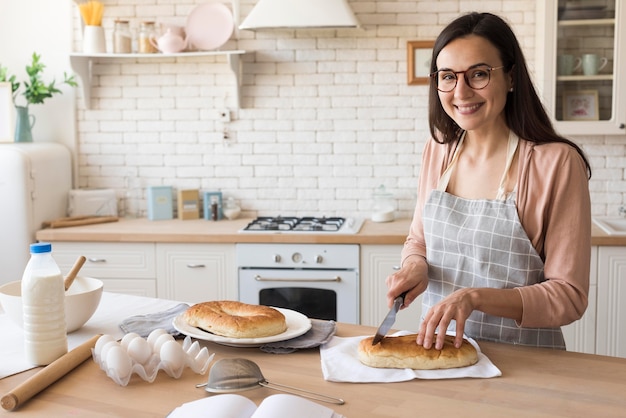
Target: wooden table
{"type": "Point", "coordinates": [534, 382]}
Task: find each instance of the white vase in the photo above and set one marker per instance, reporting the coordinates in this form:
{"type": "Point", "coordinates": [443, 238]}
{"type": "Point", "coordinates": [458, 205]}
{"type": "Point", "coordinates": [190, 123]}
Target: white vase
{"type": "Point", "coordinates": [93, 40]}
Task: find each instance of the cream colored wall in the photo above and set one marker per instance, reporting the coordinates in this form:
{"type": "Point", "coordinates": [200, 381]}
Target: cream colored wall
{"type": "Point", "coordinates": [327, 115]}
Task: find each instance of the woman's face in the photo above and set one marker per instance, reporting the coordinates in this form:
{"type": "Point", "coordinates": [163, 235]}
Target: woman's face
{"type": "Point", "coordinates": [474, 109]}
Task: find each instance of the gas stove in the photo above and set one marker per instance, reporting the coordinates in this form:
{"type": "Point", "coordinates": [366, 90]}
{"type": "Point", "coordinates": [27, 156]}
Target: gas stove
{"type": "Point", "coordinates": [304, 225]}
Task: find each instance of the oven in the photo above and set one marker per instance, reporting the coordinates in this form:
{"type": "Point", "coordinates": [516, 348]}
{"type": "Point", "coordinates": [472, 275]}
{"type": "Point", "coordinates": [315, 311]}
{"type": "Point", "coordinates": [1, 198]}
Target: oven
{"type": "Point", "coordinates": [318, 280]}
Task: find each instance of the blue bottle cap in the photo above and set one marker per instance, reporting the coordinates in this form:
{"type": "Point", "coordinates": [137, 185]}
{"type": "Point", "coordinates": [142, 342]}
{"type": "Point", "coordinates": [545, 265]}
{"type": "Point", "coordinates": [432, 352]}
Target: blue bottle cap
{"type": "Point", "coordinates": [40, 247]}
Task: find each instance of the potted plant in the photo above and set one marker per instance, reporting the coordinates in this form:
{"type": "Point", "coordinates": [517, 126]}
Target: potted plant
{"type": "Point", "coordinates": [35, 91]}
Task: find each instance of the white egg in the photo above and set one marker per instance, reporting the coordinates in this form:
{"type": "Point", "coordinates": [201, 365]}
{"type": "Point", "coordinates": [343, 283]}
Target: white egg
{"type": "Point", "coordinates": [139, 350]}
{"type": "Point", "coordinates": [154, 335]}
{"type": "Point", "coordinates": [128, 338]}
{"type": "Point", "coordinates": [160, 341]}
{"type": "Point", "coordinates": [172, 354]}
{"type": "Point", "coordinates": [107, 347]}
{"type": "Point", "coordinates": [101, 343]}
{"type": "Point", "coordinates": [118, 362]}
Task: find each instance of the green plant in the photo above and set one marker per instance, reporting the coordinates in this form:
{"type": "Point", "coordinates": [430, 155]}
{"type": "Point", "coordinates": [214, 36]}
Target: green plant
{"type": "Point", "coordinates": [35, 90]}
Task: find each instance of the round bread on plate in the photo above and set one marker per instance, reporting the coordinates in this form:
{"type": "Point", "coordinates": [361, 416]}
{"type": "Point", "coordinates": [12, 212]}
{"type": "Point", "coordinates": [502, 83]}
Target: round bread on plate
{"type": "Point", "coordinates": [235, 319]}
{"type": "Point", "coordinates": [404, 353]}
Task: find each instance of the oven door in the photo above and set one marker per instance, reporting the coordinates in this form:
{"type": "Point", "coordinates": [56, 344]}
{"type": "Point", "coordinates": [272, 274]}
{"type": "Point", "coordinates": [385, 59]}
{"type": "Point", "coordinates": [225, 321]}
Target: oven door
{"type": "Point", "coordinates": [316, 293]}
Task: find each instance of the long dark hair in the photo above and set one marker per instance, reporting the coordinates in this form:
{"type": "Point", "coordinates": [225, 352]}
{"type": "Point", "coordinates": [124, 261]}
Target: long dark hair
{"type": "Point", "coordinates": [524, 112]}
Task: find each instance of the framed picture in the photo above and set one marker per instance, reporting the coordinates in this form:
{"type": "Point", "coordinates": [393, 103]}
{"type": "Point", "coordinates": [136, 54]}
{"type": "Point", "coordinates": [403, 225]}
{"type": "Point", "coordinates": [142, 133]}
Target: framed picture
{"type": "Point", "coordinates": [6, 113]}
{"type": "Point", "coordinates": [580, 105]}
{"type": "Point", "coordinates": [418, 61]}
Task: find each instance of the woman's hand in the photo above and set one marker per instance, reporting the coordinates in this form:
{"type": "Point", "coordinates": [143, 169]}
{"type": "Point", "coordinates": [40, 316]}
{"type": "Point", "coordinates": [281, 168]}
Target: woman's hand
{"type": "Point", "coordinates": [412, 278]}
{"type": "Point", "coordinates": [457, 306]}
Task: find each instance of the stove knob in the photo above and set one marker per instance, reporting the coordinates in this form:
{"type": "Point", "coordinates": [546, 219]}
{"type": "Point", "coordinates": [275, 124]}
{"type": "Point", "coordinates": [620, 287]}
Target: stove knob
{"type": "Point", "coordinates": [276, 258]}
{"type": "Point", "coordinates": [319, 259]}
{"type": "Point", "coordinates": [296, 257]}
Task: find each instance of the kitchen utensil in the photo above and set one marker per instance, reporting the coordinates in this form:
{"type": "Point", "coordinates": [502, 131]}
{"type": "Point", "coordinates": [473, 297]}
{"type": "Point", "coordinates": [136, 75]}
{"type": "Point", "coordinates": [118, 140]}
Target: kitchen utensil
{"type": "Point", "coordinates": [209, 26]}
{"type": "Point", "coordinates": [239, 374]}
{"type": "Point", "coordinates": [69, 279]}
{"type": "Point", "coordinates": [78, 221]}
{"type": "Point", "coordinates": [385, 326]}
{"type": "Point", "coordinates": [48, 375]}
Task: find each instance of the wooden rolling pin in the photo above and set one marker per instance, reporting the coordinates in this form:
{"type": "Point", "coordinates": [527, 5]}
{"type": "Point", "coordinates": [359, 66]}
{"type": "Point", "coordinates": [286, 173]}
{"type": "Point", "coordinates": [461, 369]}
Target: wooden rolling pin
{"type": "Point", "coordinates": [78, 221]}
{"type": "Point", "coordinates": [48, 375]}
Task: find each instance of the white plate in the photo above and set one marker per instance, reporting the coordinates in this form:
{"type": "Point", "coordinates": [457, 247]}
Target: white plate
{"type": "Point", "coordinates": [209, 26]}
{"type": "Point", "coordinates": [297, 324]}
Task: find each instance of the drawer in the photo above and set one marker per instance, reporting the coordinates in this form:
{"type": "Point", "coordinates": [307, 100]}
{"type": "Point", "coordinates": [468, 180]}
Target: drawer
{"type": "Point", "coordinates": [108, 260]}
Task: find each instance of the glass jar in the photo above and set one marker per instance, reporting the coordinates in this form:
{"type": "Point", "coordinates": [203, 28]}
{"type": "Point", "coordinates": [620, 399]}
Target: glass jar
{"type": "Point", "coordinates": [147, 34]}
{"type": "Point", "coordinates": [122, 37]}
{"type": "Point", "coordinates": [231, 209]}
{"type": "Point", "coordinates": [383, 206]}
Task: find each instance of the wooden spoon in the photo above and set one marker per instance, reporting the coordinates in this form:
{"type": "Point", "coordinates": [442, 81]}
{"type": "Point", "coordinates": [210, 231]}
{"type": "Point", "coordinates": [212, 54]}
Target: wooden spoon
{"type": "Point", "coordinates": [69, 279]}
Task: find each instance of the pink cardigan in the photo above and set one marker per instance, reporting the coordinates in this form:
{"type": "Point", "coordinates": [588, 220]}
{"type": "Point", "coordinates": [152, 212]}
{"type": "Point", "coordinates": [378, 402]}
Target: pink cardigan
{"type": "Point", "coordinates": [554, 207]}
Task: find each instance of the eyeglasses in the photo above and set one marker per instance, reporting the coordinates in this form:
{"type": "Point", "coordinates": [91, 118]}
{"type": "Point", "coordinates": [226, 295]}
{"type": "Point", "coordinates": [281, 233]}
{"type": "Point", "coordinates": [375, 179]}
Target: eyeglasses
{"type": "Point", "coordinates": [476, 77]}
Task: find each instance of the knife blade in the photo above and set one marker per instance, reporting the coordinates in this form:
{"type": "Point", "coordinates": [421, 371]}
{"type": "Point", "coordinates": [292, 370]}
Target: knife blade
{"type": "Point", "coordinates": [387, 323]}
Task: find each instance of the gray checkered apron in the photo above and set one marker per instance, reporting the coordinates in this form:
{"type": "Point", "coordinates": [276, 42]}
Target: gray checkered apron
{"type": "Point", "coordinates": [481, 243]}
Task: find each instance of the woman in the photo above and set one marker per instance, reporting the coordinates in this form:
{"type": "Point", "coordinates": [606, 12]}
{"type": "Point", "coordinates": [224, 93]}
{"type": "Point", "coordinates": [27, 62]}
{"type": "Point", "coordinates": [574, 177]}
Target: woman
{"type": "Point", "coordinates": [500, 241]}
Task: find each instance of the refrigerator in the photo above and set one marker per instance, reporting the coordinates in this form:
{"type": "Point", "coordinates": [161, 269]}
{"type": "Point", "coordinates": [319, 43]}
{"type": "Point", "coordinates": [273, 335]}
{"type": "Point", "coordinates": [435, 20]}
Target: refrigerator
{"type": "Point", "coordinates": [35, 181]}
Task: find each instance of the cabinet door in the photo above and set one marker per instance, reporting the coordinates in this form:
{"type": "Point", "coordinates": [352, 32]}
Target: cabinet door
{"type": "Point", "coordinates": [378, 262]}
{"type": "Point", "coordinates": [580, 100]}
{"type": "Point", "coordinates": [128, 268]}
{"type": "Point", "coordinates": [580, 336]}
{"type": "Point", "coordinates": [611, 331]}
{"type": "Point", "coordinates": [196, 272]}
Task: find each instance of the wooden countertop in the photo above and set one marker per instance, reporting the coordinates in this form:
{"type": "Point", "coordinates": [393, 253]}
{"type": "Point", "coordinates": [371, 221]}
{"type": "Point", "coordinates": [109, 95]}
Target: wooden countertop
{"type": "Point", "coordinates": [534, 383]}
{"type": "Point", "coordinates": [225, 232]}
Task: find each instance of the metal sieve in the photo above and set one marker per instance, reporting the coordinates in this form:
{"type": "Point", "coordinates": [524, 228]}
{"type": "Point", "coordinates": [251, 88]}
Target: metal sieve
{"type": "Point", "coordinates": [239, 374]}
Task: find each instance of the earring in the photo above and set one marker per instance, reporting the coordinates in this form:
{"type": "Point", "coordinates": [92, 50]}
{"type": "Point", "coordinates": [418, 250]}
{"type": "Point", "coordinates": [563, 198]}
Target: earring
{"type": "Point", "coordinates": [511, 90]}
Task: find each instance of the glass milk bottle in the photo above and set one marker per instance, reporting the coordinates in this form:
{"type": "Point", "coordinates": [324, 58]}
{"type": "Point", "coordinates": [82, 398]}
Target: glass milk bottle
{"type": "Point", "coordinates": [43, 307]}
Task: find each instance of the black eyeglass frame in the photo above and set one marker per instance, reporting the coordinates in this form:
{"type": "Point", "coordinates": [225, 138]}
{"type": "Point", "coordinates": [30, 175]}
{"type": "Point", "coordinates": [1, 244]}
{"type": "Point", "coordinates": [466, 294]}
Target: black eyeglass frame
{"type": "Point", "coordinates": [456, 77]}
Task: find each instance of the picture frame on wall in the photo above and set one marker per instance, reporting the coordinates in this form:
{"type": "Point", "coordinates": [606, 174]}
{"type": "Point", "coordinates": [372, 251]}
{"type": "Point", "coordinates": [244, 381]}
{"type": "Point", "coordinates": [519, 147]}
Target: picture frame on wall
{"type": "Point", "coordinates": [419, 54]}
{"type": "Point", "coordinates": [6, 113]}
{"type": "Point", "coordinates": [581, 105]}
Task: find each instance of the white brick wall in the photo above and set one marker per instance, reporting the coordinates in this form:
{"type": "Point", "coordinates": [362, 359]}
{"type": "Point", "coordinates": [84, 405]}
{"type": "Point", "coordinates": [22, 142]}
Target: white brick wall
{"type": "Point", "coordinates": [326, 114]}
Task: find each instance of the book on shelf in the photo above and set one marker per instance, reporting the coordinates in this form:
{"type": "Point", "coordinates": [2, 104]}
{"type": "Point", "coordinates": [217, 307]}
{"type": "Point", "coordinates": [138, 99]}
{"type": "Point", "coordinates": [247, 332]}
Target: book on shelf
{"type": "Point", "coordinates": [238, 406]}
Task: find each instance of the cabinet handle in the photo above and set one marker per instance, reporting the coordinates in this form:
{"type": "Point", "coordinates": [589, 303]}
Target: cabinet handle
{"type": "Point", "coordinates": [622, 126]}
{"type": "Point", "coordinates": [97, 260]}
{"type": "Point", "coordinates": [195, 266]}
{"type": "Point", "coordinates": [396, 268]}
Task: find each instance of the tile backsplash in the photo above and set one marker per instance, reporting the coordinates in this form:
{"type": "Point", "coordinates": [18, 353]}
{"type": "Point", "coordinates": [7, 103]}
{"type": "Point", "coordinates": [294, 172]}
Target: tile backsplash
{"type": "Point", "coordinates": [326, 115]}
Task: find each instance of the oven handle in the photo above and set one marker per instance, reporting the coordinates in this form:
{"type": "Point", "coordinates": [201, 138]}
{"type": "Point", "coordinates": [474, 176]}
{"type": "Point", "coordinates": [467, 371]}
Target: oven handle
{"type": "Point", "coordinates": [258, 278]}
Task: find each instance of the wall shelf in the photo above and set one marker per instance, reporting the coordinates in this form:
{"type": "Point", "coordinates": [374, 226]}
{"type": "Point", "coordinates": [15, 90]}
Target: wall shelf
{"type": "Point", "coordinates": [82, 65]}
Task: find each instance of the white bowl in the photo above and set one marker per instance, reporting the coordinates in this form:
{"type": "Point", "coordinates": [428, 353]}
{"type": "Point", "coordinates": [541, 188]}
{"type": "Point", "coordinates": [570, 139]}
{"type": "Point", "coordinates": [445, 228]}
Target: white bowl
{"type": "Point", "coordinates": [81, 301]}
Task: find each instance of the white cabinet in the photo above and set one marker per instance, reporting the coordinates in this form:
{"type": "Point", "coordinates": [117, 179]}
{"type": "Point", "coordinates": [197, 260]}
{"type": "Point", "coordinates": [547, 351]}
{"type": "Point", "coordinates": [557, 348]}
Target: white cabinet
{"type": "Point", "coordinates": [581, 103]}
{"type": "Point", "coordinates": [580, 336]}
{"type": "Point", "coordinates": [196, 272]}
{"type": "Point", "coordinates": [123, 267]}
{"type": "Point", "coordinates": [611, 310]}
{"type": "Point", "coordinates": [378, 262]}
{"type": "Point", "coordinates": [601, 329]}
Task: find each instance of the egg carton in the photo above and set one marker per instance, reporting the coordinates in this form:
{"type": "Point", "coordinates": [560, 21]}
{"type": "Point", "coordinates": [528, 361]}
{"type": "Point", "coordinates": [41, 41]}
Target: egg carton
{"type": "Point", "coordinates": [145, 357]}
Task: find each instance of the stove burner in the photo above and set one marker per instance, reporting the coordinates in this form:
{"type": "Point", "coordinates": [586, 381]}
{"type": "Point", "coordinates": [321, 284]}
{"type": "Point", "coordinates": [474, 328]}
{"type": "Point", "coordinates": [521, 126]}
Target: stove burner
{"type": "Point", "coordinates": [268, 223]}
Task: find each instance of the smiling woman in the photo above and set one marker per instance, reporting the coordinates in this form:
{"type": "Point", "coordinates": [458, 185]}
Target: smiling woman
{"type": "Point", "coordinates": [499, 190]}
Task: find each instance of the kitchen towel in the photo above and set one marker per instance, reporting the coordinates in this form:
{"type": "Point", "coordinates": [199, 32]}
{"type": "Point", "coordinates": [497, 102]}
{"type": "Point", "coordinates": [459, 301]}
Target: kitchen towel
{"type": "Point", "coordinates": [145, 324]}
{"type": "Point", "coordinates": [320, 333]}
{"type": "Point", "coordinates": [341, 364]}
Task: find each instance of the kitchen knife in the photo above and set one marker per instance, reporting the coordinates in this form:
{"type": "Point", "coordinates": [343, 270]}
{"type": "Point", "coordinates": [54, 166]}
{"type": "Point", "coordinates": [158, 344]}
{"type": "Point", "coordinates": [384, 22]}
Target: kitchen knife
{"type": "Point", "coordinates": [385, 326]}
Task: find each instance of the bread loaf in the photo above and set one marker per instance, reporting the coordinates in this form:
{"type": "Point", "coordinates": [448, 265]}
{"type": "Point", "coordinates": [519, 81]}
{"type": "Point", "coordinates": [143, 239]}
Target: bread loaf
{"type": "Point", "coordinates": [404, 353]}
{"type": "Point", "coordinates": [236, 319]}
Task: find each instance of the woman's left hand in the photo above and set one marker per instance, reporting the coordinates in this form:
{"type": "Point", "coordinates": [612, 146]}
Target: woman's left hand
{"type": "Point", "coordinates": [457, 306]}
